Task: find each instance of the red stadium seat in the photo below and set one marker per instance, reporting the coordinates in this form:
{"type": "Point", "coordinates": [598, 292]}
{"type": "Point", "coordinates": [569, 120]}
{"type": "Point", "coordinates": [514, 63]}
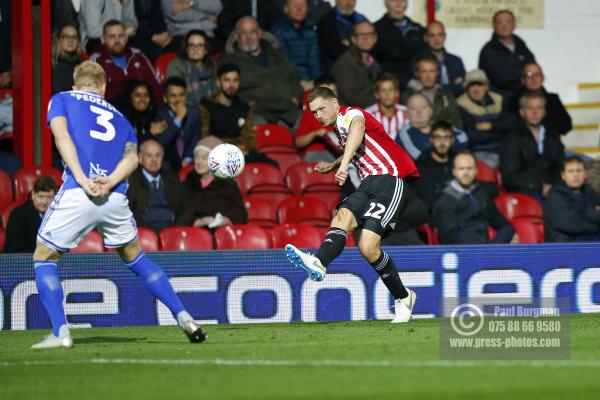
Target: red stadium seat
{"type": "Point", "coordinates": [304, 210]}
{"type": "Point", "coordinates": [273, 137]}
{"type": "Point", "coordinates": [285, 160]}
{"type": "Point", "coordinates": [518, 205]}
{"type": "Point", "coordinates": [5, 93]}
{"type": "Point", "coordinates": [263, 181]}
{"type": "Point", "coordinates": [183, 172]}
{"type": "Point", "coordinates": [302, 179]}
{"type": "Point", "coordinates": [181, 238]}
{"type": "Point", "coordinates": [529, 231]}
{"type": "Point", "coordinates": [161, 64]}
{"type": "Point", "coordinates": [25, 178]}
{"type": "Point", "coordinates": [238, 237]}
{"type": "Point", "coordinates": [6, 190]}
{"type": "Point", "coordinates": [298, 234]}
{"type": "Point", "coordinates": [8, 209]}
{"type": "Point", "coordinates": [426, 233]}
{"type": "Point", "coordinates": [260, 212]}
{"type": "Point", "coordinates": [485, 173]}
{"type": "Point", "coordinates": [148, 239]}
{"type": "Point", "coordinates": [2, 239]}
{"type": "Point", "coordinates": [92, 243]}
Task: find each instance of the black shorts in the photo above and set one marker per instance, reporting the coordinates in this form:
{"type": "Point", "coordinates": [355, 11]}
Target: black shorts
{"type": "Point", "coordinates": [377, 202]}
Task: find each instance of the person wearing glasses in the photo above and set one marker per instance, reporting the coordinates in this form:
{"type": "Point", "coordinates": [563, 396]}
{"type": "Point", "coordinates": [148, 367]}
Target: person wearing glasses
{"type": "Point", "coordinates": [356, 70]}
{"type": "Point", "coordinates": [66, 55]}
{"type": "Point", "coordinates": [194, 64]}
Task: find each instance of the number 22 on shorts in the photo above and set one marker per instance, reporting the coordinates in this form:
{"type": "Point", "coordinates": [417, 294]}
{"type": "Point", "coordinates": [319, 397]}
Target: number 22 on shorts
{"type": "Point", "coordinates": [377, 213]}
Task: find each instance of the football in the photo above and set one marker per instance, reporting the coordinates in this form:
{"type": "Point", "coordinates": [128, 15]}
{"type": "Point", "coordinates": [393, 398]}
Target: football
{"type": "Point", "coordinates": [226, 161]}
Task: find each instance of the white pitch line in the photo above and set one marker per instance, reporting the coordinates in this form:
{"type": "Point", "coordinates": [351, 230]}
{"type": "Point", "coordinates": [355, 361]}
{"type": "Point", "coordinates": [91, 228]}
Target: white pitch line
{"type": "Point", "coordinates": [320, 363]}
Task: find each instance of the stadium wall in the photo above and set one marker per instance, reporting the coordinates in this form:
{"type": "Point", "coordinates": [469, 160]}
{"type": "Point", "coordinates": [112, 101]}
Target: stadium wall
{"type": "Point", "coordinates": [260, 286]}
{"type": "Point", "coordinates": [566, 47]}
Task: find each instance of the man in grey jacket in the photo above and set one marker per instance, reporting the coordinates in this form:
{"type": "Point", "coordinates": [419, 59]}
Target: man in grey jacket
{"type": "Point", "coordinates": [182, 16]}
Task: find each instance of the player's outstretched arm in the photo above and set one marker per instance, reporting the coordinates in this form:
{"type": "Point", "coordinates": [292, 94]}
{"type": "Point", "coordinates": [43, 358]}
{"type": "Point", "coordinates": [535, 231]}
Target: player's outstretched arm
{"type": "Point", "coordinates": [356, 135]}
{"type": "Point", "coordinates": [67, 151]}
{"type": "Point", "coordinates": [124, 168]}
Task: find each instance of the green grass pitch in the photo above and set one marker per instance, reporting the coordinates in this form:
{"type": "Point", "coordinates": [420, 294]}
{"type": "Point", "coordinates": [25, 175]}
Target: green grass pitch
{"type": "Point", "coordinates": [341, 360]}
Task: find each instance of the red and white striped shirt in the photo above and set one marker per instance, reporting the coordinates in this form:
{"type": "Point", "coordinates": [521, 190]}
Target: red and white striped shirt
{"type": "Point", "coordinates": [394, 124]}
{"type": "Point", "coordinates": [378, 154]}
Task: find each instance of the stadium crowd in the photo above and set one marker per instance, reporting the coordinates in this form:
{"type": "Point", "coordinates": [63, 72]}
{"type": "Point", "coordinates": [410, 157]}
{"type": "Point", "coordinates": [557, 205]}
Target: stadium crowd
{"type": "Point", "coordinates": [189, 75]}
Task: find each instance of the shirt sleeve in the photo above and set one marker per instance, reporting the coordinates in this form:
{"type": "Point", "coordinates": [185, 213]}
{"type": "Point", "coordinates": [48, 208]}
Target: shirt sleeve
{"type": "Point", "coordinates": [56, 108]}
{"type": "Point", "coordinates": [348, 118]}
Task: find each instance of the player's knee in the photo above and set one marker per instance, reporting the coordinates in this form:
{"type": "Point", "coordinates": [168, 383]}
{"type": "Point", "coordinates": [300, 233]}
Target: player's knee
{"type": "Point", "coordinates": [344, 219]}
{"type": "Point", "coordinates": [130, 251]}
{"type": "Point", "coordinates": [369, 249]}
{"type": "Point", "coordinates": [45, 253]}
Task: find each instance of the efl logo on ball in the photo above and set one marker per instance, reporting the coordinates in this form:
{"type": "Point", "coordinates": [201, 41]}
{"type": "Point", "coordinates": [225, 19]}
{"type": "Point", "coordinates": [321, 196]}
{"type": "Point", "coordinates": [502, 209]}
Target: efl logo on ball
{"type": "Point", "coordinates": [226, 161]}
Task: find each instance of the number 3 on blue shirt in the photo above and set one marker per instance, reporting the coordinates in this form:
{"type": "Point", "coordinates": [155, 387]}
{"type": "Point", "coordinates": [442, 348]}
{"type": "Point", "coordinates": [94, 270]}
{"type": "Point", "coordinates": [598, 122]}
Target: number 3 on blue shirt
{"type": "Point", "coordinates": [103, 119]}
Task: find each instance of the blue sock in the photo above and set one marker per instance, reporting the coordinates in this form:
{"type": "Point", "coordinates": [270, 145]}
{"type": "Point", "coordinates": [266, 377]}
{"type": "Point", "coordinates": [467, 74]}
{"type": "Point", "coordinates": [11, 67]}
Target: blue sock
{"type": "Point", "coordinates": [157, 282]}
{"type": "Point", "coordinates": [51, 293]}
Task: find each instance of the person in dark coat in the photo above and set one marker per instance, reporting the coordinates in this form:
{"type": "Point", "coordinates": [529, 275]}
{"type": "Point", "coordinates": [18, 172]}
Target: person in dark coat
{"type": "Point", "coordinates": [557, 116]}
{"type": "Point", "coordinates": [334, 30]}
{"type": "Point", "coordinates": [66, 55]}
{"type": "Point", "coordinates": [266, 12]}
{"type": "Point", "coordinates": [531, 154]}
{"type": "Point", "coordinates": [155, 195]}
{"type": "Point", "coordinates": [25, 220]}
{"type": "Point", "coordinates": [503, 57]}
{"type": "Point", "coordinates": [151, 35]}
{"type": "Point", "coordinates": [400, 41]}
{"type": "Point", "coordinates": [183, 125]}
{"type": "Point", "coordinates": [211, 202]}
{"type": "Point", "coordinates": [465, 210]}
{"type": "Point", "coordinates": [138, 106]}
{"type": "Point", "coordinates": [572, 209]}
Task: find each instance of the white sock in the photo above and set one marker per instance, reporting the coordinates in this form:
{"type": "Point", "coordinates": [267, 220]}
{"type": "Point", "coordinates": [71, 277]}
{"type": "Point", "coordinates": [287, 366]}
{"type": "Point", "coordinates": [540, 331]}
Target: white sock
{"type": "Point", "coordinates": [183, 318]}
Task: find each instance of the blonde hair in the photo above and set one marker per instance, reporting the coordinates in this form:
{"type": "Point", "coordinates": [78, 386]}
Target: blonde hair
{"type": "Point", "coordinates": [89, 74]}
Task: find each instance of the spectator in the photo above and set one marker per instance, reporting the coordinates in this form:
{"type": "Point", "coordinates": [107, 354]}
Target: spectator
{"type": "Point", "coordinates": [95, 15]}
{"type": "Point", "coordinates": [269, 81]}
{"type": "Point", "coordinates": [155, 195]}
{"type": "Point", "coordinates": [182, 16]}
{"type": "Point", "coordinates": [316, 8]}
{"type": "Point", "coordinates": [317, 143]}
{"type": "Point", "coordinates": [335, 29]}
{"type": "Point", "coordinates": [139, 108]}
{"type": "Point", "coordinates": [183, 125]}
{"type": "Point", "coordinates": [465, 210]}
{"type": "Point", "coordinates": [414, 137]}
{"type": "Point", "coordinates": [451, 67]}
{"type": "Point", "coordinates": [152, 37]}
{"type": "Point", "coordinates": [392, 115]}
{"type": "Point", "coordinates": [64, 12]}
{"type": "Point", "coordinates": [434, 164]}
{"type": "Point", "coordinates": [123, 63]}
{"type": "Point", "coordinates": [532, 154]}
{"type": "Point", "coordinates": [356, 71]}
{"type": "Point", "coordinates": [194, 64]}
{"type": "Point", "coordinates": [572, 209]}
{"type": "Point", "coordinates": [211, 202]}
{"type": "Point", "coordinates": [66, 55]}
{"type": "Point", "coordinates": [400, 41]}
{"type": "Point", "coordinates": [229, 118]}
{"type": "Point", "coordinates": [426, 83]}
{"type": "Point", "coordinates": [532, 79]}
{"type": "Point", "coordinates": [503, 57]}
{"type": "Point", "coordinates": [5, 49]}
{"type": "Point", "coordinates": [25, 220]}
{"type": "Point", "coordinates": [265, 12]}
{"type": "Point", "coordinates": [298, 39]}
{"type": "Point", "coordinates": [484, 121]}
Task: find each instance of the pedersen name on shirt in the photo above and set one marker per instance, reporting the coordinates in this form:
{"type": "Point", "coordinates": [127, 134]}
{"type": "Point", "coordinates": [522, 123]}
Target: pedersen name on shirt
{"type": "Point", "coordinates": [94, 99]}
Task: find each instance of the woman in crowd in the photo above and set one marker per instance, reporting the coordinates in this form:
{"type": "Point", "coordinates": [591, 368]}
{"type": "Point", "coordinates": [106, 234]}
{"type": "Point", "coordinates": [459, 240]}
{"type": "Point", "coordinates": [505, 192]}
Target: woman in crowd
{"type": "Point", "coordinates": [194, 64]}
{"type": "Point", "coordinates": [212, 202]}
{"type": "Point", "coordinates": [138, 107]}
{"type": "Point", "coordinates": [66, 55]}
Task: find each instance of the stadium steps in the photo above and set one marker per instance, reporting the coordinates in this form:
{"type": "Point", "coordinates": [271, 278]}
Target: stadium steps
{"type": "Point", "coordinates": [585, 136]}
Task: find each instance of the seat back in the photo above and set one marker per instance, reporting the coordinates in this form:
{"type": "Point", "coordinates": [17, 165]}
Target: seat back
{"type": "Point", "coordinates": [8, 209]}
{"type": "Point", "coordinates": [162, 63]}
{"type": "Point", "coordinates": [260, 212]}
{"type": "Point", "coordinates": [237, 237]}
{"type": "Point", "coordinates": [182, 238]}
{"type": "Point", "coordinates": [260, 177]}
{"type": "Point", "coordinates": [2, 239]}
{"type": "Point", "coordinates": [304, 210]}
{"type": "Point", "coordinates": [273, 137]}
{"type": "Point", "coordinates": [183, 172]}
{"type": "Point", "coordinates": [299, 235]}
{"type": "Point", "coordinates": [148, 239]}
{"type": "Point", "coordinates": [284, 159]}
{"type": "Point", "coordinates": [518, 205]}
{"type": "Point", "coordinates": [485, 173]}
{"type": "Point", "coordinates": [529, 231]}
{"type": "Point", "coordinates": [92, 243]}
{"type": "Point", "coordinates": [302, 178]}
{"type": "Point", "coordinates": [25, 178]}
{"type": "Point", "coordinates": [6, 190]}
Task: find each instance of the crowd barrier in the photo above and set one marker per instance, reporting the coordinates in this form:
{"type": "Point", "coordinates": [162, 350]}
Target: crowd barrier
{"type": "Point", "coordinates": [260, 286]}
